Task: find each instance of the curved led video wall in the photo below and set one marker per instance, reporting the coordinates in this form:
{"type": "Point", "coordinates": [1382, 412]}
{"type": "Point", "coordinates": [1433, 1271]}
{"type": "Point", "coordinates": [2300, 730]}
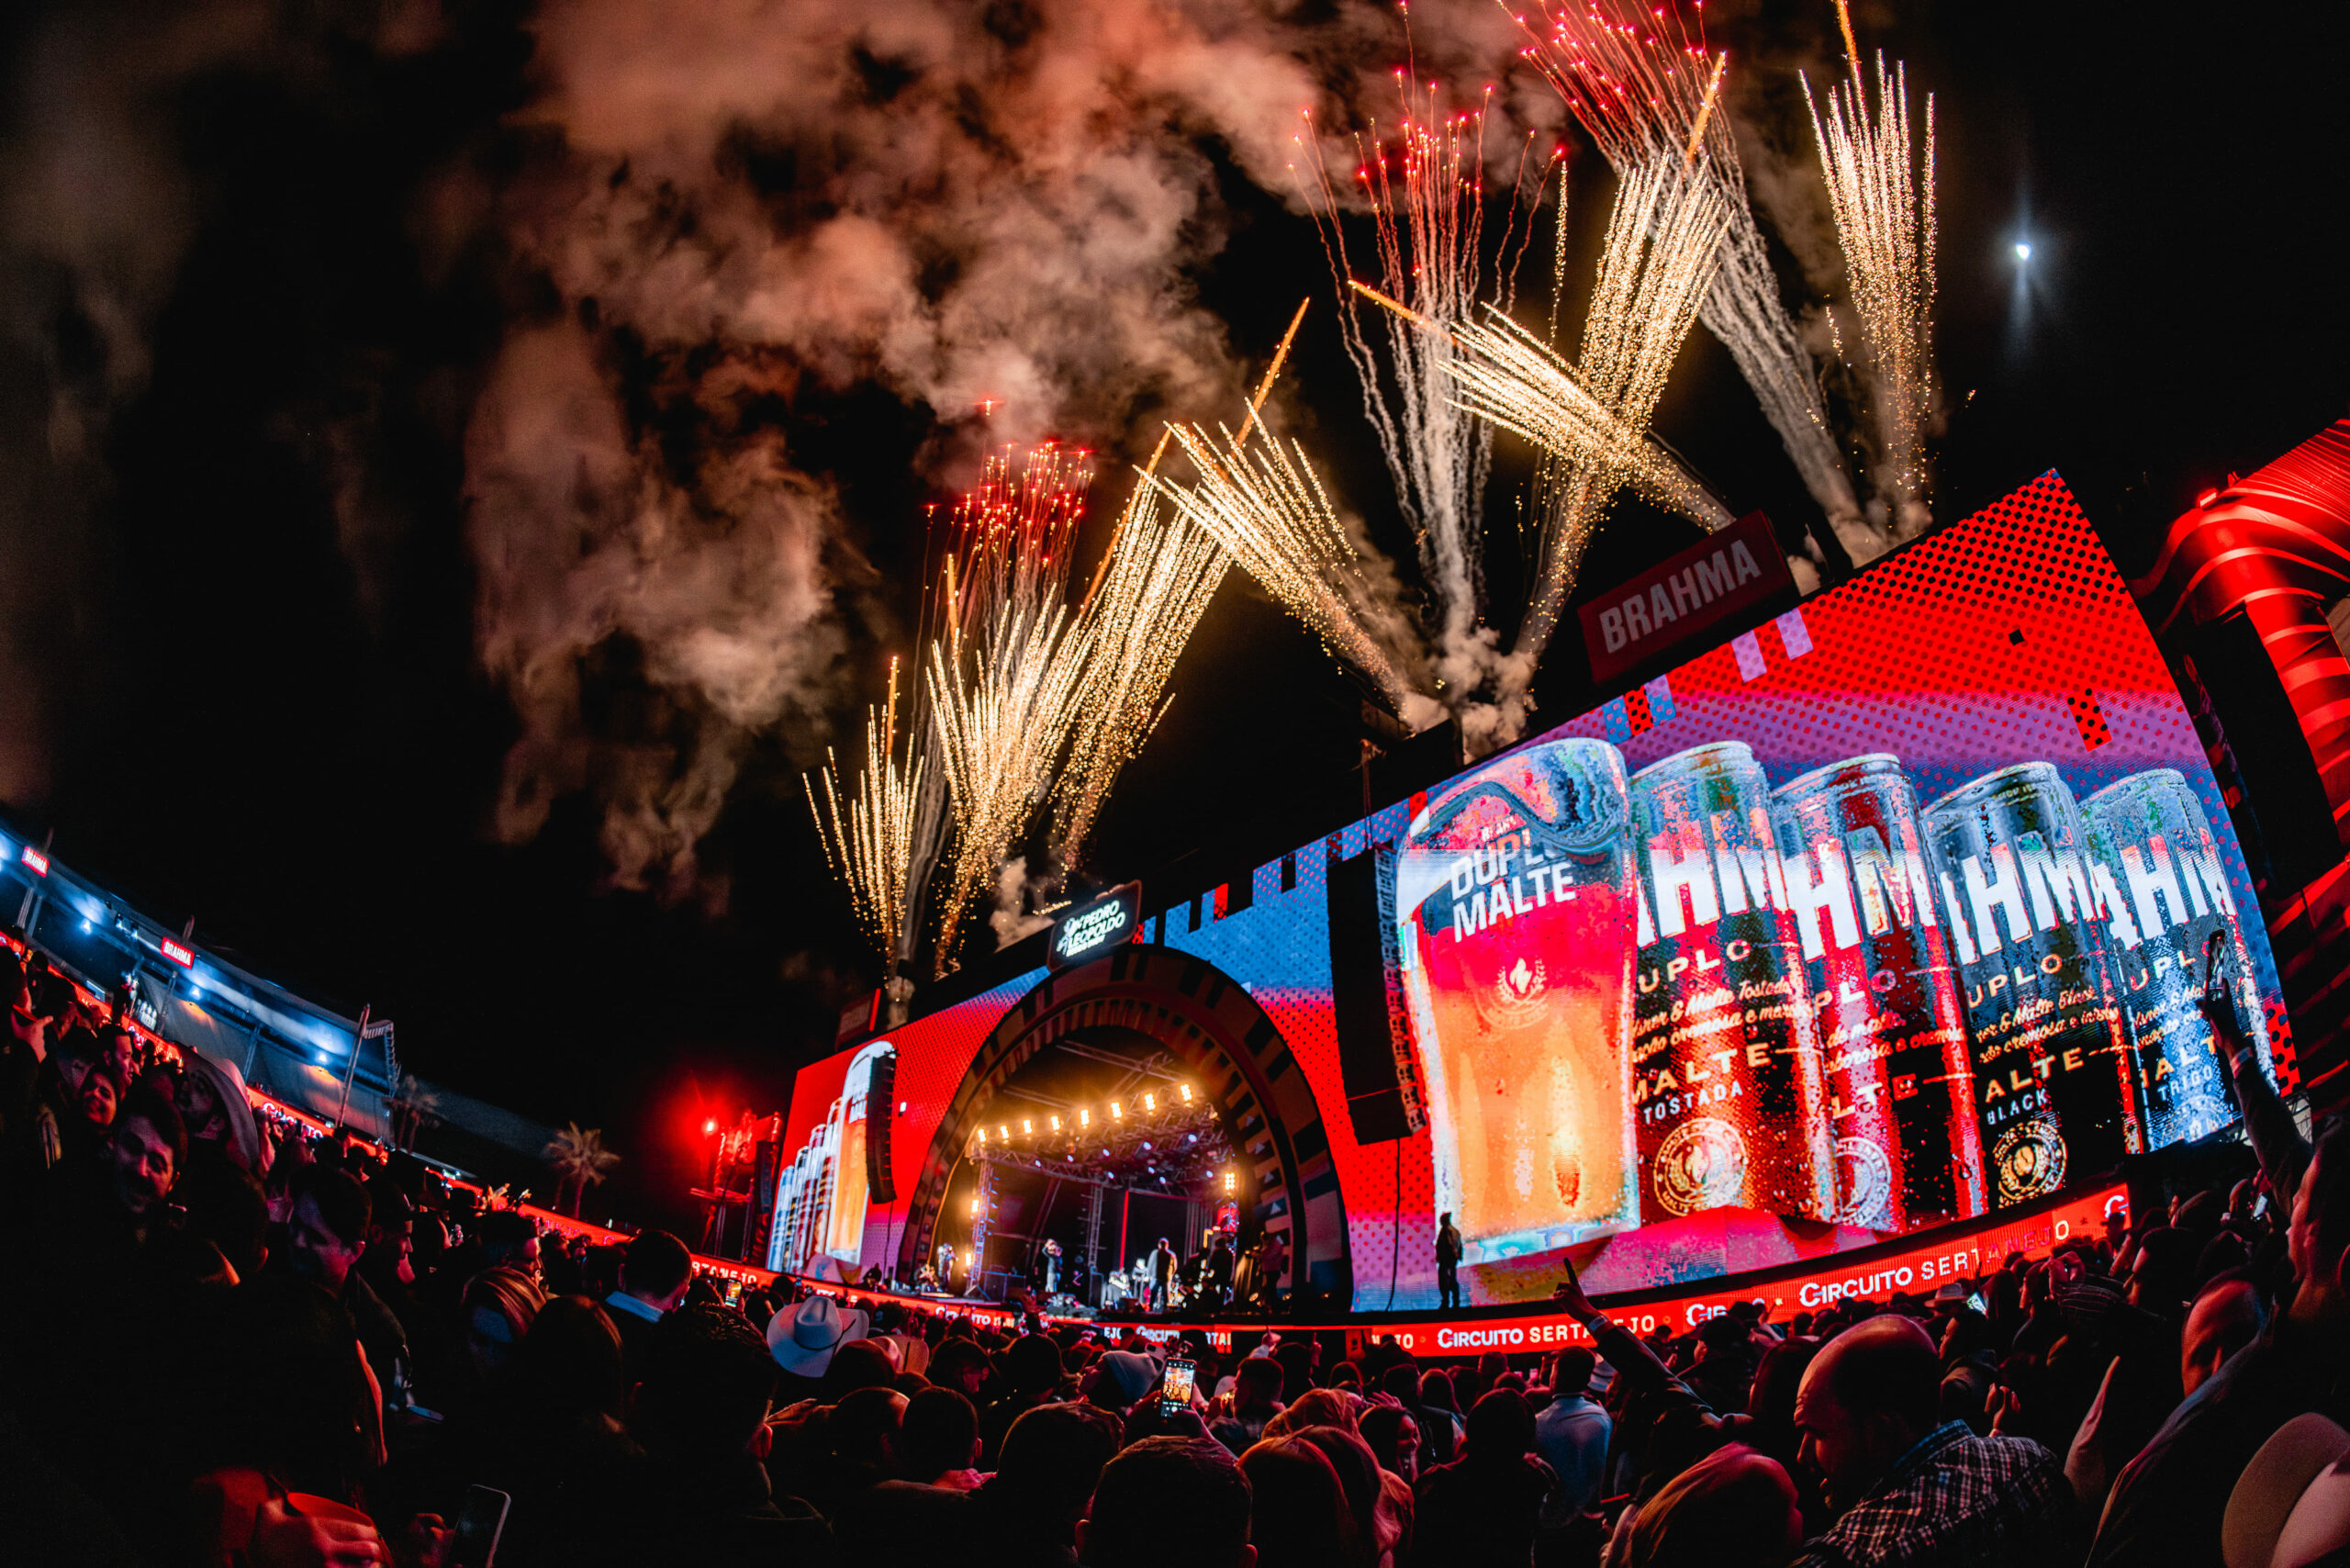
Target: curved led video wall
{"type": "Point", "coordinates": [1890, 914]}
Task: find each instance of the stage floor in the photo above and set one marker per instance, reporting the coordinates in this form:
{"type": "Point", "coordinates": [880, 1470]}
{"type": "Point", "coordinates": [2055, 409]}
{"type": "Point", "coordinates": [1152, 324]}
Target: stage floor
{"type": "Point", "coordinates": [1917, 1265]}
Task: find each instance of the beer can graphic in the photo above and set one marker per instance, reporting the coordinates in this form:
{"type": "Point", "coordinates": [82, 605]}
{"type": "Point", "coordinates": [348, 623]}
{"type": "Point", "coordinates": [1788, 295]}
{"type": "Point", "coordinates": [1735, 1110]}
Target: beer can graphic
{"type": "Point", "coordinates": [2165, 889]}
{"type": "Point", "coordinates": [1513, 904]}
{"type": "Point", "coordinates": [1730, 1102]}
{"type": "Point", "coordinates": [2057, 1088]}
{"type": "Point", "coordinates": [1885, 1002]}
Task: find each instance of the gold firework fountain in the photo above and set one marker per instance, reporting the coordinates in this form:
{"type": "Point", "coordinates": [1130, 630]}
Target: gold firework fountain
{"type": "Point", "coordinates": [873, 829]}
{"type": "Point", "coordinates": [1663, 248]}
{"type": "Point", "coordinates": [1263, 505]}
{"type": "Point", "coordinates": [1881, 188]}
{"type": "Point", "coordinates": [1026, 701]}
{"type": "Point", "coordinates": [1425, 199]}
{"type": "Point", "coordinates": [1644, 89]}
{"type": "Point", "coordinates": [1147, 598]}
{"type": "Point", "coordinates": [1008, 669]}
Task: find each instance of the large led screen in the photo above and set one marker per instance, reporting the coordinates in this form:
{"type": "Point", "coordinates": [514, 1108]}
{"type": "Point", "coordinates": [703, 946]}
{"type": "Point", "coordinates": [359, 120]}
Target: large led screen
{"type": "Point", "coordinates": [1889, 914]}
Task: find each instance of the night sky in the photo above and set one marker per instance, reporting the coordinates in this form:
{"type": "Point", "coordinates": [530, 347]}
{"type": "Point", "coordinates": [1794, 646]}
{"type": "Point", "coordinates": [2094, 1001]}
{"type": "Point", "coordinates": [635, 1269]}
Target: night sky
{"type": "Point", "coordinates": [241, 625]}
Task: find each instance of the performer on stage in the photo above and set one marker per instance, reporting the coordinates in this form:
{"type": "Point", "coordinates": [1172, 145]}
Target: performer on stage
{"type": "Point", "coordinates": [1162, 1274]}
{"type": "Point", "coordinates": [1448, 1263]}
{"type": "Point", "coordinates": [1221, 1263]}
{"type": "Point", "coordinates": [1272, 1267]}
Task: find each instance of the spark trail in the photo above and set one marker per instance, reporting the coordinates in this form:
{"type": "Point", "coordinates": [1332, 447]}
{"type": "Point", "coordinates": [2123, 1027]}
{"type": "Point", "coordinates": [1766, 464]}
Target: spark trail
{"type": "Point", "coordinates": [1881, 189]}
{"type": "Point", "coordinates": [1010, 538]}
{"type": "Point", "coordinates": [1641, 85]}
{"type": "Point", "coordinates": [1261, 500]}
{"type": "Point", "coordinates": [1512, 378]}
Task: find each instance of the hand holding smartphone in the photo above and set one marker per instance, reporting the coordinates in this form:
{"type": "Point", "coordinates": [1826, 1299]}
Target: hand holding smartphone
{"type": "Point", "coordinates": [480, 1525]}
{"type": "Point", "coordinates": [2219, 1005]}
{"type": "Point", "coordinates": [2218, 1001]}
{"type": "Point", "coordinates": [1175, 1392]}
{"type": "Point", "coordinates": [2215, 967]}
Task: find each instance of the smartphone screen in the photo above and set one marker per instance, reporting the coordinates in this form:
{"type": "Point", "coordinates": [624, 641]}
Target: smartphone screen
{"type": "Point", "coordinates": [2215, 965]}
{"type": "Point", "coordinates": [2218, 998]}
{"type": "Point", "coordinates": [1175, 1394]}
{"type": "Point", "coordinates": [479, 1524]}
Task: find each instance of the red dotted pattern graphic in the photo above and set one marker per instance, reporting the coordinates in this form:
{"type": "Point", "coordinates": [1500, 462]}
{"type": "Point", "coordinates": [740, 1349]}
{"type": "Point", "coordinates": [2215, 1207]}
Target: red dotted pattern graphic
{"type": "Point", "coordinates": [2089, 718]}
{"type": "Point", "coordinates": [1636, 709]}
{"type": "Point", "coordinates": [2281, 1053]}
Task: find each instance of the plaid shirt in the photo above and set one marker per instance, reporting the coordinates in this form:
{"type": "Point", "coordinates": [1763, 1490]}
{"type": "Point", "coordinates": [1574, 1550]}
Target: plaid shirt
{"type": "Point", "coordinates": [1954, 1499]}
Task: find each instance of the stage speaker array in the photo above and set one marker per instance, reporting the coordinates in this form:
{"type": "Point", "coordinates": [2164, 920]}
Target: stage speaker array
{"type": "Point", "coordinates": [1377, 1062]}
{"type": "Point", "coordinates": [880, 1111]}
{"type": "Point", "coordinates": [766, 1171]}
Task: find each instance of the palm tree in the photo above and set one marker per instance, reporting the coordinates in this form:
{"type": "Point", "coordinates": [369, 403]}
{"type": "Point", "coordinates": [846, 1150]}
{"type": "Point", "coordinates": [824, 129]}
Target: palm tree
{"type": "Point", "coordinates": [579, 1161]}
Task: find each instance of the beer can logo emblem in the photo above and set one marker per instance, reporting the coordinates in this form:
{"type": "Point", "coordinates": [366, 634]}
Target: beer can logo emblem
{"type": "Point", "coordinates": [1864, 1178]}
{"type": "Point", "coordinates": [1514, 1000]}
{"type": "Point", "coordinates": [1701, 1165]}
{"type": "Point", "coordinates": [2030, 1159]}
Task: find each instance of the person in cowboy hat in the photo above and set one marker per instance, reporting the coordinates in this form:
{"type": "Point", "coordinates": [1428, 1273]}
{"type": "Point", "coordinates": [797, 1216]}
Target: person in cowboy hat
{"type": "Point", "coordinates": [802, 1338]}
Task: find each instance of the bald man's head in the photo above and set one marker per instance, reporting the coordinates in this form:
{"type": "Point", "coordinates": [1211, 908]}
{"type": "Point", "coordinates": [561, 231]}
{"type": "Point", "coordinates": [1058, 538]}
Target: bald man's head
{"type": "Point", "coordinates": [1865, 1400]}
{"type": "Point", "coordinates": [1885, 1366]}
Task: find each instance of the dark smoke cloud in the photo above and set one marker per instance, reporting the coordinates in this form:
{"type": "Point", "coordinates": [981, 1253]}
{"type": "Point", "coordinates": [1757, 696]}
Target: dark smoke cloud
{"type": "Point", "coordinates": [993, 206]}
{"type": "Point", "coordinates": [692, 213]}
{"type": "Point", "coordinates": [719, 574]}
{"type": "Point", "coordinates": [102, 109]}
{"type": "Point", "coordinates": [95, 212]}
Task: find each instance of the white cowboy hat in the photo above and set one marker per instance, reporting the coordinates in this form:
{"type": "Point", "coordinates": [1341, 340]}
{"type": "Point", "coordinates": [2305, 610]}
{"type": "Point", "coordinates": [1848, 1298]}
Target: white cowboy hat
{"type": "Point", "coordinates": [2267, 1489]}
{"type": "Point", "coordinates": [242, 1144]}
{"type": "Point", "coordinates": [2320, 1525]}
{"type": "Point", "coordinates": [802, 1338]}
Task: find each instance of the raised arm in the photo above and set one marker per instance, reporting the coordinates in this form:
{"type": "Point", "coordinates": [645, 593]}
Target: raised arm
{"type": "Point", "coordinates": [2267, 1120]}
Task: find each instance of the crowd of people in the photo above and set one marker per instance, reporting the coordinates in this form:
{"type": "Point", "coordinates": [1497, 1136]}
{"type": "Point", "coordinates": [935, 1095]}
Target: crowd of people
{"type": "Point", "coordinates": [229, 1341]}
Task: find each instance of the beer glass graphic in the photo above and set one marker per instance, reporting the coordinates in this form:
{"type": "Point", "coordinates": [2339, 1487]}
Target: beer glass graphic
{"type": "Point", "coordinates": [1514, 908]}
{"type": "Point", "coordinates": [1884, 996]}
{"type": "Point", "coordinates": [2057, 1092]}
{"type": "Point", "coordinates": [1730, 1102]}
{"type": "Point", "coordinates": [844, 1222]}
{"type": "Point", "coordinates": [2162, 866]}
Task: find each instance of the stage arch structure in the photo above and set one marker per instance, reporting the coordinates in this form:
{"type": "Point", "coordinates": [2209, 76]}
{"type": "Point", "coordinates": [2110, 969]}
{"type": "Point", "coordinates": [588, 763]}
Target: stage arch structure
{"type": "Point", "coordinates": [1208, 1021]}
